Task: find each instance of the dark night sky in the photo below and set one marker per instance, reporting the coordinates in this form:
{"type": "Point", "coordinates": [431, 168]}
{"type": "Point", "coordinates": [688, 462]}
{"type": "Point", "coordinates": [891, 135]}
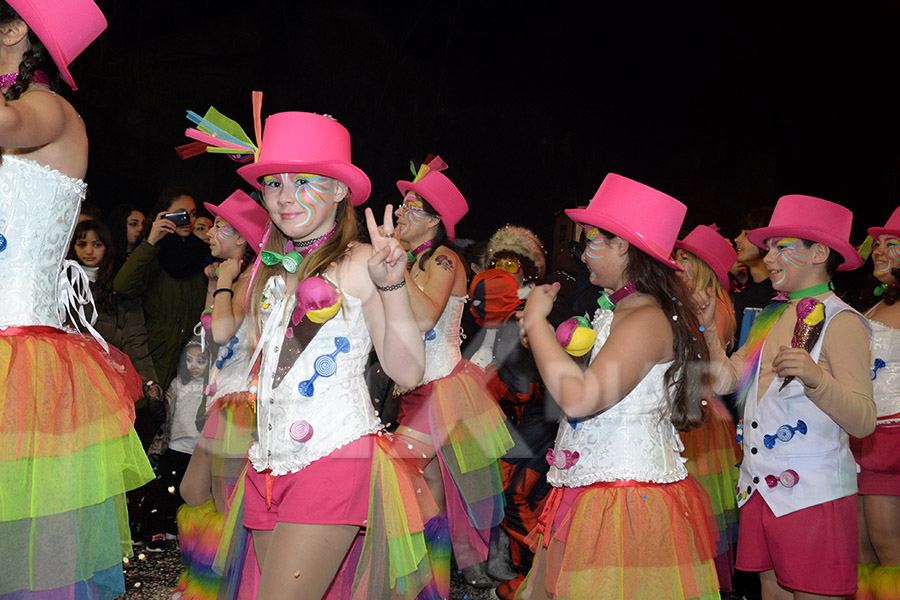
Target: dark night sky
{"type": "Point", "coordinates": [723, 105]}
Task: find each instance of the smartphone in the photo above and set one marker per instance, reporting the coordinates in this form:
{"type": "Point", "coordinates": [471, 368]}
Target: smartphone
{"type": "Point", "coordinates": [180, 218]}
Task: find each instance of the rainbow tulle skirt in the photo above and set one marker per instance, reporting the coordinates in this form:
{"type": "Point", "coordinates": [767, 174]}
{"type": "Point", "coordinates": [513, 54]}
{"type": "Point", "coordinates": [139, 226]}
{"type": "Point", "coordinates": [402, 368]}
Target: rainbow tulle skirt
{"type": "Point", "coordinates": [68, 454]}
{"type": "Point", "coordinates": [713, 454]}
{"type": "Point", "coordinates": [625, 540]}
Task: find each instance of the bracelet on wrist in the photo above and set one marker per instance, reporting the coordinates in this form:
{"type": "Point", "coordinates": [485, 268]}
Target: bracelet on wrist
{"type": "Point", "coordinates": [392, 287]}
{"type": "Point", "coordinates": [220, 290]}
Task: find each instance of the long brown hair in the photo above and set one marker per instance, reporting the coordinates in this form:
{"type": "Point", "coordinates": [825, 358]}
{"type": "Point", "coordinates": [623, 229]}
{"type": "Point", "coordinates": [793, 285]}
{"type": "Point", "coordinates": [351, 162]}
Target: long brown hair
{"type": "Point", "coordinates": [687, 380]}
{"type": "Point", "coordinates": [315, 263]}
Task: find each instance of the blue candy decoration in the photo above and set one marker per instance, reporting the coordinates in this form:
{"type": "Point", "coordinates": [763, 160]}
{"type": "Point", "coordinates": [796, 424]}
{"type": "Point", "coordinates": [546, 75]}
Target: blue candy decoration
{"type": "Point", "coordinates": [430, 335]}
{"type": "Point", "coordinates": [325, 366]}
{"type": "Point", "coordinates": [784, 434]}
{"type": "Point", "coordinates": [229, 352]}
{"type": "Point", "coordinates": [2, 242]}
{"type": "Point", "coordinates": [879, 364]}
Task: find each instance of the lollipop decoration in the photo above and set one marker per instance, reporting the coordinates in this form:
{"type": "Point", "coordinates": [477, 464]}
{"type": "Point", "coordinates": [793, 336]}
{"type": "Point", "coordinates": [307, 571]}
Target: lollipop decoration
{"type": "Point", "coordinates": [576, 335]}
{"type": "Point", "coordinates": [810, 320]}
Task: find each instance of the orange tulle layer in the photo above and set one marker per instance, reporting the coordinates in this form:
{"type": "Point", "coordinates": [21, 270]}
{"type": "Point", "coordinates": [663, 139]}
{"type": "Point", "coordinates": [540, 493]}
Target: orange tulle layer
{"type": "Point", "coordinates": [626, 540]}
{"type": "Point", "coordinates": [61, 393]}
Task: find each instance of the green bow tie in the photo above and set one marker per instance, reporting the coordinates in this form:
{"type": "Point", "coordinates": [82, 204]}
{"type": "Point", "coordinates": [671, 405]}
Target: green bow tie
{"type": "Point", "coordinates": [604, 301]}
{"type": "Point", "coordinates": [290, 261]}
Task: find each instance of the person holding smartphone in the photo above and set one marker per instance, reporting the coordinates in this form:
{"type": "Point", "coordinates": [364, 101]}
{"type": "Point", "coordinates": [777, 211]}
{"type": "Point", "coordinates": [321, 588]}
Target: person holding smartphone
{"type": "Point", "coordinates": [166, 271]}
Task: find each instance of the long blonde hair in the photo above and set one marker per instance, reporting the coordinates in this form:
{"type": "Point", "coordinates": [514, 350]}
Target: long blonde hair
{"type": "Point", "coordinates": [315, 263]}
{"type": "Point", "coordinates": [703, 279]}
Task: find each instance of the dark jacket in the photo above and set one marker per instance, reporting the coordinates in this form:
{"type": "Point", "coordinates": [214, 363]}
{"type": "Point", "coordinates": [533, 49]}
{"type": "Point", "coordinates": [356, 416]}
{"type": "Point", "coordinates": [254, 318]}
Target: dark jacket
{"type": "Point", "coordinates": [172, 306]}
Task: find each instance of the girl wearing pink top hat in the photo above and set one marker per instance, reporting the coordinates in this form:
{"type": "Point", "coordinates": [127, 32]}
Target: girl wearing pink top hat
{"type": "Point", "coordinates": [68, 452]}
{"type": "Point", "coordinates": [711, 449]}
{"type": "Point", "coordinates": [236, 239]}
{"type": "Point", "coordinates": [878, 455]}
{"type": "Point", "coordinates": [624, 518]}
{"type": "Point", "coordinates": [323, 470]}
{"type": "Point", "coordinates": [450, 410]}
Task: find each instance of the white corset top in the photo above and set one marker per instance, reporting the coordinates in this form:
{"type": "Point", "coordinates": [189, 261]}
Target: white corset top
{"type": "Point", "coordinates": [322, 402]}
{"type": "Point", "coordinates": [885, 368]}
{"type": "Point", "coordinates": [633, 440]}
{"type": "Point", "coordinates": [38, 210]}
{"type": "Point", "coordinates": [442, 343]}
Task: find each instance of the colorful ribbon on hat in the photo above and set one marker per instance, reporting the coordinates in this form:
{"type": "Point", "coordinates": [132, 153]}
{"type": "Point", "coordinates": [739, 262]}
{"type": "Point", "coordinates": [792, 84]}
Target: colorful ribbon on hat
{"type": "Point", "coordinates": [435, 163]}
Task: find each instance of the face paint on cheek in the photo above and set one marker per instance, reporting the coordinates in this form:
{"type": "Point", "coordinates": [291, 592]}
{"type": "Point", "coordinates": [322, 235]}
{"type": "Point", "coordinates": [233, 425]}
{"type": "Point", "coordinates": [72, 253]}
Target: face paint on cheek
{"type": "Point", "coordinates": [224, 233]}
{"type": "Point", "coordinates": [311, 195]}
{"type": "Point", "coordinates": [790, 253]}
{"type": "Point", "coordinates": [891, 257]}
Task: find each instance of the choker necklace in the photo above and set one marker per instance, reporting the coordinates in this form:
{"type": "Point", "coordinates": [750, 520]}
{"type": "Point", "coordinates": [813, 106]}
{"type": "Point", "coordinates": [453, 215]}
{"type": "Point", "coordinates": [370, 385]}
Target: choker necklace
{"type": "Point", "coordinates": [9, 79]}
{"type": "Point", "coordinates": [608, 301]}
{"type": "Point", "coordinates": [304, 247]}
{"type": "Point", "coordinates": [880, 289]}
{"type": "Point", "coordinates": [292, 259]}
{"type": "Point", "coordinates": [412, 255]}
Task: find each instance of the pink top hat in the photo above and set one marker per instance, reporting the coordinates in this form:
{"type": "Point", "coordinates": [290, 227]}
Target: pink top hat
{"type": "Point", "coordinates": [637, 213]}
{"type": "Point", "coordinates": [892, 227]}
{"type": "Point", "coordinates": [440, 193]}
{"type": "Point", "coordinates": [301, 142]}
{"type": "Point", "coordinates": [65, 28]}
{"type": "Point", "coordinates": [811, 219]}
{"type": "Point", "coordinates": [709, 246]}
{"type": "Point", "coordinates": [249, 218]}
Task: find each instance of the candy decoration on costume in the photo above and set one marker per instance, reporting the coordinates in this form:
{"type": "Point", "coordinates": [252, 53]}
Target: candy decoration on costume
{"type": "Point", "coordinates": [562, 460]}
{"type": "Point", "coordinates": [739, 435]}
{"type": "Point", "coordinates": [576, 335]}
{"type": "Point", "coordinates": [316, 299]}
{"type": "Point", "coordinates": [788, 479]}
{"type": "Point", "coordinates": [881, 288]}
{"type": "Point", "coordinates": [608, 301]}
{"type": "Point", "coordinates": [301, 431]}
{"type": "Point", "coordinates": [430, 335]}
{"type": "Point", "coordinates": [325, 366]}
{"type": "Point", "coordinates": [810, 320]}
{"type": "Point", "coordinates": [229, 352]}
{"type": "Point", "coordinates": [290, 261]}
{"type": "Point", "coordinates": [879, 364]}
{"type": "Point", "coordinates": [784, 434]}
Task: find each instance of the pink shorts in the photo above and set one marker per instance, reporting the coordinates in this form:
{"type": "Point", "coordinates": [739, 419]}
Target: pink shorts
{"type": "Point", "coordinates": [333, 490]}
{"type": "Point", "coordinates": [878, 456]}
{"type": "Point", "coordinates": [812, 550]}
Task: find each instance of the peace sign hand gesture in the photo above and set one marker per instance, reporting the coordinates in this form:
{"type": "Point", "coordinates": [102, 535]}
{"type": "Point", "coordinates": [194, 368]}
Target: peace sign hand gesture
{"type": "Point", "coordinates": [387, 265]}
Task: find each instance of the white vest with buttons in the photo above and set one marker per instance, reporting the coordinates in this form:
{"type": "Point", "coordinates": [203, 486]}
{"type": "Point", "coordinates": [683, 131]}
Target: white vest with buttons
{"type": "Point", "coordinates": [296, 429]}
{"type": "Point", "coordinates": [803, 469]}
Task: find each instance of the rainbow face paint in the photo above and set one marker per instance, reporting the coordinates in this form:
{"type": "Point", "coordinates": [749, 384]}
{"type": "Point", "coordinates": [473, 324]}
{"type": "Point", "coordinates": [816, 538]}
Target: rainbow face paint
{"type": "Point", "coordinates": [310, 191]}
{"type": "Point", "coordinates": [682, 258]}
{"type": "Point", "coordinates": [411, 213]}
{"type": "Point", "coordinates": [788, 254]}
{"type": "Point", "coordinates": [886, 254]}
{"type": "Point", "coordinates": [596, 248]}
{"type": "Point", "coordinates": [222, 232]}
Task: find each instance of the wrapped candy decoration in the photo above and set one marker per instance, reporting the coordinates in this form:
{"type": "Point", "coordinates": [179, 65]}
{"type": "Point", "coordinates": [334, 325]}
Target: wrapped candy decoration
{"type": "Point", "coordinates": [576, 335]}
{"type": "Point", "coordinates": [810, 319]}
